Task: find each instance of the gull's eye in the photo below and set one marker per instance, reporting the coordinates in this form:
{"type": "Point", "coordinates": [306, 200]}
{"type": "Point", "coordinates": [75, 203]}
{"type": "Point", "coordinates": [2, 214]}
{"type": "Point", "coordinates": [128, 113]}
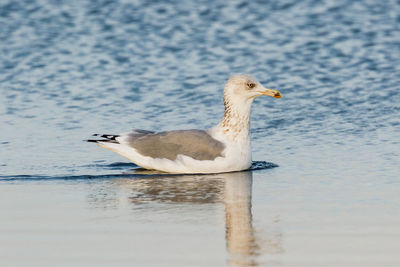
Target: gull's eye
{"type": "Point", "coordinates": [251, 85]}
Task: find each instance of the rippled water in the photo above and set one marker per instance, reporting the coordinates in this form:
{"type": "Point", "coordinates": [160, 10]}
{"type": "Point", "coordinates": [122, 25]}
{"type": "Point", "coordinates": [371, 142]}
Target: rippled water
{"type": "Point", "coordinates": [72, 68]}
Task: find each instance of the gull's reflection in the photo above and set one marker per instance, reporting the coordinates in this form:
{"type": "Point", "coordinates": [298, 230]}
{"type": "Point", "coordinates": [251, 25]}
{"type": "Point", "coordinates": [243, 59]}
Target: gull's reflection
{"type": "Point", "coordinates": [234, 190]}
{"type": "Point", "coordinates": [176, 189]}
{"type": "Point", "coordinates": [240, 238]}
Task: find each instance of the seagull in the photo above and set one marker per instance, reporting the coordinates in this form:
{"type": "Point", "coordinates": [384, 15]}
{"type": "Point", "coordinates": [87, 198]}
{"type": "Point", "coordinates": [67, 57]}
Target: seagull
{"type": "Point", "coordinates": [223, 148]}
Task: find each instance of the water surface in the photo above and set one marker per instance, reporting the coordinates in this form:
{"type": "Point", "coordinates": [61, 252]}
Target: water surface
{"type": "Point", "coordinates": [69, 69]}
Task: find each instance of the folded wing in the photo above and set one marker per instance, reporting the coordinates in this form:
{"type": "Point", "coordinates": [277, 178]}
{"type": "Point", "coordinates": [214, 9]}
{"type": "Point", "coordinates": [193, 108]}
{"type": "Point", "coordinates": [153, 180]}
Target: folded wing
{"type": "Point", "coordinates": [197, 144]}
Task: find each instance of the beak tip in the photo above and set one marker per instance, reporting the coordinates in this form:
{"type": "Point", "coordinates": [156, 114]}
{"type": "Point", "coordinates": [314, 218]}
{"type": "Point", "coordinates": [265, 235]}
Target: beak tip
{"type": "Point", "coordinates": [271, 92]}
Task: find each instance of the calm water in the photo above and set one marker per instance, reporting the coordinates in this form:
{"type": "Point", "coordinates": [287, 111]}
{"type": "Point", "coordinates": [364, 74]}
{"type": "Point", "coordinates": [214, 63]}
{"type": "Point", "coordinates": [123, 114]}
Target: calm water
{"type": "Point", "coordinates": [72, 68]}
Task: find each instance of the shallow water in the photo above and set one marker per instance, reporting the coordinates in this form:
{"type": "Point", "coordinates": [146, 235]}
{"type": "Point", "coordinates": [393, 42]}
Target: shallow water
{"type": "Point", "coordinates": [72, 68]}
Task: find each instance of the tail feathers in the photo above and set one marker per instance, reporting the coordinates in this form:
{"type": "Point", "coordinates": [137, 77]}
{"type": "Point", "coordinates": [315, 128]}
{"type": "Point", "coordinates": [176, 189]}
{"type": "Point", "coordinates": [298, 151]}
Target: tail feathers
{"type": "Point", "coordinates": [109, 138]}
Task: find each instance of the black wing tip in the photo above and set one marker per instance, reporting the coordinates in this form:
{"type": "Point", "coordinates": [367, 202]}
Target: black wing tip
{"type": "Point", "coordinates": [101, 141]}
{"type": "Point", "coordinates": [91, 141]}
{"type": "Point", "coordinates": [108, 138]}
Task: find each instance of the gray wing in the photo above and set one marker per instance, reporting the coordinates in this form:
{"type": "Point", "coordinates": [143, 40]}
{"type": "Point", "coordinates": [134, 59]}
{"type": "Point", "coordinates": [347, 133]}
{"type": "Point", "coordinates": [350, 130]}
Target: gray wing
{"type": "Point", "coordinates": [196, 144]}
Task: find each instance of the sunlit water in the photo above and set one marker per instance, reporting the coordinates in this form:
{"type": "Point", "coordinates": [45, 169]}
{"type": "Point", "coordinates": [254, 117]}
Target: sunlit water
{"type": "Point", "coordinates": [72, 68]}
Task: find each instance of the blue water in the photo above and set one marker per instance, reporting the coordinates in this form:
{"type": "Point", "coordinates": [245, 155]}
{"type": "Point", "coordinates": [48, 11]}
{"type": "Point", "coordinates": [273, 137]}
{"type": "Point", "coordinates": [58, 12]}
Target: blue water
{"type": "Point", "coordinates": [69, 69]}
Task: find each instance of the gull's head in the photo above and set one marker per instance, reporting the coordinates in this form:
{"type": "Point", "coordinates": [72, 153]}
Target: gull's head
{"type": "Point", "coordinates": [245, 86]}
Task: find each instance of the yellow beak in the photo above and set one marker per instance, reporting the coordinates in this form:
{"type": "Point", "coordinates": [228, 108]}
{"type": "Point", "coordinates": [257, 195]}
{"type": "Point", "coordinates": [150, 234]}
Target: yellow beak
{"type": "Point", "coordinates": [271, 92]}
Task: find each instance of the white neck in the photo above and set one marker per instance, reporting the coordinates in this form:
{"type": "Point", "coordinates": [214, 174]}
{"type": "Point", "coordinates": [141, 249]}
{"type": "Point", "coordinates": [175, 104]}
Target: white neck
{"type": "Point", "coordinates": [235, 124]}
